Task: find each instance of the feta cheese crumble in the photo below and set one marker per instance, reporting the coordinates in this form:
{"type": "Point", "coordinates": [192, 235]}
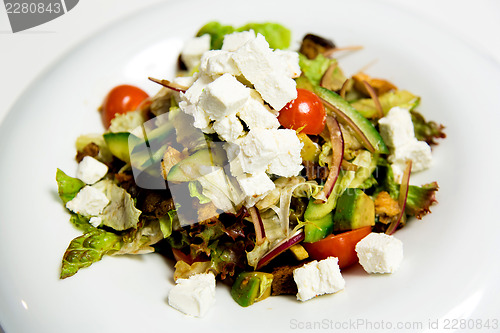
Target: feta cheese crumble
{"type": "Point", "coordinates": [194, 49]}
{"type": "Point", "coordinates": [193, 296]}
{"type": "Point", "coordinates": [380, 253]}
{"type": "Point", "coordinates": [396, 128]}
{"type": "Point", "coordinates": [91, 170]}
{"type": "Point", "coordinates": [89, 201]}
{"type": "Point", "coordinates": [228, 97]}
{"type": "Point", "coordinates": [318, 278]}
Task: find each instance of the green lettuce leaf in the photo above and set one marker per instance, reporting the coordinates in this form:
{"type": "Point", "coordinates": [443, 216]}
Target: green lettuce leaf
{"type": "Point", "coordinates": [121, 213]}
{"type": "Point", "coordinates": [276, 35]}
{"type": "Point", "coordinates": [226, 257]}
{"type": "Point", "coordinates": [84, 250]}
{"type": "Point", "coordinates": [419, 199]}
{"type": "Point", "coordinates": [167, 222]}
{"type": "Point", "coordinates": [314, 69]}
{"type": "Point", "coordinates": [140, 240]}
{"type": "Point", "coordinates": [401, 98]}
{"type": "Point", "coordinates": [217, 31]}
{"type": "Point", "coordinates": [67, 186]}
{"type": "Point", "coordinates": [90, 247]}
{"type": "Point", "coordinates": [426, 131]}
{"type": "Point", "coordinates": [80, 222]}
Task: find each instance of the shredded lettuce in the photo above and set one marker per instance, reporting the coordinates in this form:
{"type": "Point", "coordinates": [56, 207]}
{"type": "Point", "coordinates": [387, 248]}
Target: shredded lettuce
{"type": "Point", "coordinates": [195, 190]}
{"type": "Point", "coordinates": [219, 188]}
{"type": "Point", "coordinates": [366, 163]}
{"type": "Point", "coordinates": [121, 213]}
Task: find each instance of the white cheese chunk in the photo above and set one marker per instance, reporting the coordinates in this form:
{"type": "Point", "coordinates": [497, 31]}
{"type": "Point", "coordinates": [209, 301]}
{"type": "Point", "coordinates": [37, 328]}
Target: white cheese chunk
{"type": "Point", "coordinates": [223, 97]}
{"type": "Point", "coordinates": [193, 296]}
{"type": "Point", "coordinates": [396, 128]}
{"type": "Point", "coordinates": [189, 103]}
{"type": "Point", "coordinates": [257, 150]}
{"type": "Point", "coordinates": [288, 160]}
{"type": "Point", "coordinates": [201, 119]}
{"type": "Point", "coordinates": [192, 95]}
{"type": "Point", "coordinates": [95, 221]}
{"type": "Point", "coordinates": [229, 128]}
{"type": "Point", "coordinates": [89, 201]}
{"type": "Point", "coordinates": [380, 253]}
{"type": "Point", "coordinates": [234, 41]}
{"type": "Point", "coordinates": [91, 170]}
{"type": "Point", "coordinates": [318, 278]}
{"type": "Point", "coordinates": [263, 68]}
{"type": "Point", "coordinates": [255, 185]}
{"type": "Point", "coordinates": [256, 114]}
{"type": "Point", "coordinates": [193, 50]}
{"type": "Point", "coordinates": [290, 61]}
{"type": "Point", "coordinates": [419, 152]}
{"type": "Point", "coordinates": [218, 62]}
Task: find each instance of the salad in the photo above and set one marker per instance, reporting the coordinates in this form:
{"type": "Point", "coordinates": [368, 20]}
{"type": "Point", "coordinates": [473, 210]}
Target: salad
{"type": "Point", "coordinates": [259, 167]}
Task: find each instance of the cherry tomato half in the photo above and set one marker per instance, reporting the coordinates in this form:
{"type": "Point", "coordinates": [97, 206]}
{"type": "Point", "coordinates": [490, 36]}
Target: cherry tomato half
{"type": "Point", "coordinates": [306, 112]}
{"type": "Point", "coordinates": [121, 99]}
{"type": "Point", "coordinates": [341, 246]}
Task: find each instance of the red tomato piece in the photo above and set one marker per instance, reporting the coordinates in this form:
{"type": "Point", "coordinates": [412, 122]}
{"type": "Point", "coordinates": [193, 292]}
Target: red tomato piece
{"type": "Point", "coordinates": [121, 99]}
{"type": "Point", "coordinates": [341, 246]}
{"type": "Point", "coordinates": [306, 112]}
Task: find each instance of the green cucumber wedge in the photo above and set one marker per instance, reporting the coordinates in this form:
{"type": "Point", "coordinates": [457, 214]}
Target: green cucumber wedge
{"type": "Point", "coordinates": [368, 134]}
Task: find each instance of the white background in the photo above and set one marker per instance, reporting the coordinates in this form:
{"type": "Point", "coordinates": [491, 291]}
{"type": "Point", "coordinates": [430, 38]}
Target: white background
{"type": "Point", "coordinates": [24, 56]}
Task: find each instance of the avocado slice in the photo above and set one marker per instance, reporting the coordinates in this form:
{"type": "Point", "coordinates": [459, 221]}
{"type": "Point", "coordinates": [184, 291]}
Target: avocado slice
{"type": "Point", "coordinates": [388, 100]}
{"type": "Point", "coordinates": [251, 287]}
{"type": "Point", "coordinates": [118, 145]}
{"type": "Point", "coordinates": [371, 133]}
{"type": "Point", "coordinates": [354, 210]}
{"type": "Point", "coordinates": [318, 229]}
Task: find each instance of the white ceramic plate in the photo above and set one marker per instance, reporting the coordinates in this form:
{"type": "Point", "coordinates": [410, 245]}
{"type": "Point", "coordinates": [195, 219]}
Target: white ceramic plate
{"type": "Point", "coordinates": [451, 266]}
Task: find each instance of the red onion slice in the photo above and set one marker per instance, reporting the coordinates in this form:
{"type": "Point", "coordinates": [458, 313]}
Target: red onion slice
{"type": "Point", "coordinates": [169, 85]}
{"type": "Point", "coordinates": [260, 233]}
{"type": "Point", "coordinates": [375, 99]}
{"type": "Point", "coordinates": [337, 141]}
{"type": "Point", "coordinates": [345, 118]}
{"type": "Point", "coordinates": [280, 248]}
{"type": "Point", "coordinates": [403, 196]}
